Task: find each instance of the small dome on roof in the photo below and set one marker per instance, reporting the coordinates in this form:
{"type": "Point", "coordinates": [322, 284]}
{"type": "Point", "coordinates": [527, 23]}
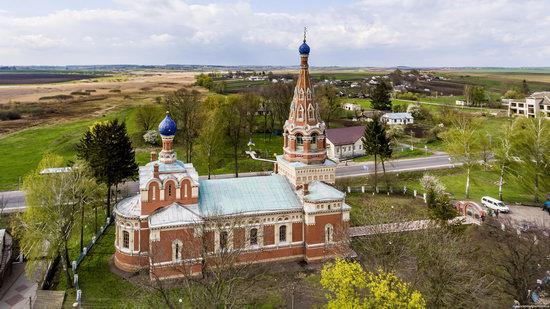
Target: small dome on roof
{"type": "Point", "coordinates": [167, 126]}
{"type": "Point", "coordinates": [304, 49]}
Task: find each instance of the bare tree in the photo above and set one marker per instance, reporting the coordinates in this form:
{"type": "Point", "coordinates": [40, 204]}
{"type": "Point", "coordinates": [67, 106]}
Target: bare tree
{"type": "Point", "coordinates": [212, 263]}
{"type": "Point", "coordinates": [532, 144]}
{"type": "Point", "coordinates": [329, 102]}
{"type": "Point", "coordinates": [238, 111]}
{"type": "Point", "coordinates": [463, 143]}
{"type": "Point", "coordinates": [518, 257]}
{"type": "Point", "coordinates": [278, 97]}
{"type": "Point", "coordinates": [147, 117]}
{"type": "Point", "coordinates": [185, 106]}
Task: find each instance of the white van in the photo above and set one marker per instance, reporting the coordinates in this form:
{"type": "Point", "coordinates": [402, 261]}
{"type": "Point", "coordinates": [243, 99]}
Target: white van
{"type": "Point", "coordinates": [494, 204]}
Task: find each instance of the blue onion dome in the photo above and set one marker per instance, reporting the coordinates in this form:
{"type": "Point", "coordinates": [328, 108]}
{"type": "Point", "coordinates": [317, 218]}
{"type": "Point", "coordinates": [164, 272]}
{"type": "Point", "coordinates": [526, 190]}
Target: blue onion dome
{"type": "Point", "coordinates": [304, 49]}
{"type": "Point", "coordinates": [167, 126]}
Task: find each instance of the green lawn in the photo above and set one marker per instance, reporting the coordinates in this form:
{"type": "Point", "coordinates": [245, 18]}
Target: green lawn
{"type": "Point", "coordinates": [100, 287]}
{"type": "Point", "coordinates": [382, 208]}
{"type": "Point", "coordinates": [22, 151]}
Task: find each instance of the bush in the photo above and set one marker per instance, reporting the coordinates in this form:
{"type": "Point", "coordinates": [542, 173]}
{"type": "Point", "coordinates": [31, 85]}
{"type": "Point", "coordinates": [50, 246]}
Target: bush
{"type": "Point", "coordinates": [9, 115]}
{"type": "Point", "coordinates": [408, 96]}
{"type": "Point", "coordinates": [115, 90]}
{"type": "Point", "coordinates": [146, 89]}
{"type": "Point", "coordinates": [60, 97]}
{"type": "Point", "coordinates": [80, 93]}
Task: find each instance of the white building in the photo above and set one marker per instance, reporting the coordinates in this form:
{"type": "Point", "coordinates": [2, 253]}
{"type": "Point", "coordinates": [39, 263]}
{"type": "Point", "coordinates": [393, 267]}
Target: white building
{"type": "Point", "coordinates": [351, 107]}
{"type": "Point", "coordinates": [343, 143]}
{"type": "Point", "coordinates": [398, 118]}
{"type": "Point", "coordinates": [532, 106]}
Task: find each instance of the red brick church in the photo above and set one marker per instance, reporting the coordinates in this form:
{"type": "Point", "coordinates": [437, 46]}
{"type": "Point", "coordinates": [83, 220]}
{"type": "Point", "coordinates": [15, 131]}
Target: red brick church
{"type": "Point", "coordinates": [293, 214]}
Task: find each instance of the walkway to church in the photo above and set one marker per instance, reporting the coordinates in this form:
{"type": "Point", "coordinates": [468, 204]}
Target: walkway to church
{"type": "Point", "coordinates": [396, 227]}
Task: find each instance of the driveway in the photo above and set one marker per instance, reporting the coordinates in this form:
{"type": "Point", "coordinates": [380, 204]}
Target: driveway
{"type": "Point", "coordinates": [528, 213]}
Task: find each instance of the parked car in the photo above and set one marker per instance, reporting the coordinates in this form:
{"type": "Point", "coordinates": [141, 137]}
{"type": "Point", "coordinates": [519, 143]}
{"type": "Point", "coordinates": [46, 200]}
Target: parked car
{"type": "Point", "coordinates": [494, 204]}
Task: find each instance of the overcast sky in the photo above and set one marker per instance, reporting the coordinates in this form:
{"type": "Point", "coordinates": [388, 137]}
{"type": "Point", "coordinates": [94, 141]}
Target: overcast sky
{"type": "Point", "coordinates": [508, 33]}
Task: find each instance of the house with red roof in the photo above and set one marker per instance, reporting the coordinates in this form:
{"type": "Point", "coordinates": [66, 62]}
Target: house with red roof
{"type": "Point", "coordinates": [345, 143]}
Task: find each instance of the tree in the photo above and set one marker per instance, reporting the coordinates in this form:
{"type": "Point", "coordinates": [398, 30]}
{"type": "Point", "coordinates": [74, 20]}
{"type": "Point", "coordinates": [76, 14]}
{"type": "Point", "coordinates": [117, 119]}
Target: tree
{"type": "Point", "coordinates": [463, 142]}
{"type": "Point", "coordinates": [212, 131]}
{"type": "Point", "coordinates": [349, 286]}
{"type": "Point", "coordinates": [503, 158]}
{"type": "Point", "coordinates": [186, 108]}
{"type": "Point", "coordinates": [380, 96]}
{"type": "Point", "coordinates": [436, 260]}
{"type": "Point", "coordinates": [3, 203]}
{"type": "Point", "coordinates": [147, 117]}
{"type": "Point", "coordinates": [53, 204]}
{"type": "Point", "coordinates": [518, 258]}
{"type": "Point", "coordinates": [513, 94]}
{"type": "Point", "coordinates": [329, 103]}
{"type": "Point", "coordinates": [525, 88]}
{"type": "Point", "coordinates": [236, 112]}
{"type": "Point", "coordinates": [108, 150]}
{"type": "Point", "coordinates": [532, 143]}
{"type": "Point", "coordinates": [377, 143]}
{"type": "Point", "coordinates": [396, 76]}
{"type": "Point", "coordinates": [474, 95]}
{"type": "Point", "coordinates": [277, 97]}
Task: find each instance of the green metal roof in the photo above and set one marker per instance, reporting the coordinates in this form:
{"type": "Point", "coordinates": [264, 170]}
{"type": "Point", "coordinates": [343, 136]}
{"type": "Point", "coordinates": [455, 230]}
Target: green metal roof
{"type": "Point", "coordinates": [245, 195]}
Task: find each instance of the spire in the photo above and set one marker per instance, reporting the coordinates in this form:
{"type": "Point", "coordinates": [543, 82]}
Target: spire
{"type": "Point", "coordinates": [304, 129]}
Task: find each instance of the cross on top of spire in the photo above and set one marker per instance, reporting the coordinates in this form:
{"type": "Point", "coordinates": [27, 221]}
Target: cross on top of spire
{"type": "Point", "coordinates": [305, 32]}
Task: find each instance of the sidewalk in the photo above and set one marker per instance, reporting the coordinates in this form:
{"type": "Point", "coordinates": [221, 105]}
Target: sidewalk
{"type": "Point", "coordinates": [17, 291]}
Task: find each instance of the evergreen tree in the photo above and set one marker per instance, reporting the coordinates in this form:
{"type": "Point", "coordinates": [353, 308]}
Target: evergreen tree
{"type": "Point", "coordinates": [380, 96]}
{"type": "Point", "coordinates": [377, 143]}
{"type": "Point", "coordinates": [107, 148]}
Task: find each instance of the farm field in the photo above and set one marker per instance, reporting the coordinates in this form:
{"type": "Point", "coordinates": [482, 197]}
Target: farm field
{"type": "Point", "coordinates": [45, 104]}
{"type": "Point", "coordinates": [41, 78]}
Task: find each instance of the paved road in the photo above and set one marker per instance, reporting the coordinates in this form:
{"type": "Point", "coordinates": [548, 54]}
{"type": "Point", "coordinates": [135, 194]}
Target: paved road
{"type": "Point", "coordinates": [419, 164]}
{"type": "Point", "coordinates": [16, 201]}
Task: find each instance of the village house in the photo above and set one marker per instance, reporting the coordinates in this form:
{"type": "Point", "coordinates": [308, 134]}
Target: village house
{"type": "Point", "coordinates": [397, 118]}
{"type": "Point", "coordinates": [179, 221]}
{"type": "Point", "coordinates": [532, 106]}
{"type": "Point", "coordinates": [345, 143]}
{"type": "Point", "coordinates": [351, 107]}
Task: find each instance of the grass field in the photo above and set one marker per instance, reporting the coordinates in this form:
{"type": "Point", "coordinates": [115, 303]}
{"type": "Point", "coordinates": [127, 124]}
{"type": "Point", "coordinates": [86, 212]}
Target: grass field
{"type": "Point", "coordinates": [409, 208]}
{"type": "Point", "coordinates": [22, 151]}
{"type": "Point", "coordinates": [483, 182]}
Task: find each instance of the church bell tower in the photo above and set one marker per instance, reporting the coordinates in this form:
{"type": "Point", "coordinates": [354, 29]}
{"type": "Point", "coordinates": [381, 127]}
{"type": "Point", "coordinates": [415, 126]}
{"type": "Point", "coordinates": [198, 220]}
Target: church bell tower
{"type": "Point", "coordinates": [304, 131]}
{"type": "Point", "coordinates": [304, 156]}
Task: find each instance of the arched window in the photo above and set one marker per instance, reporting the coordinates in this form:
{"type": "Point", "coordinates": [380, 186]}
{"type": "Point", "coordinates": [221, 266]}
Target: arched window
{"type": "Point", "coordinates": [224, 240]}
{"type": "Point", "coordinates": [300, 113]}
{"type": "Point", "coordinates": [299, 142]}
{"type": "Point", "coordinates": [310, 113]}
{"type": "Point", "coordinates": [313, 144]}
{"type": "Point", "coordinates": [329, 233]}
{"type": "Point", "coordinates": [177, 247]}
{"type": "Point", "coordinates": [253, 236]}
{"type": "Point", "coordinates": [125, 239]}
{"type": "Point", "coordinates": [170, 191]}
{"type": "Point", "coordinates": [282, 233]}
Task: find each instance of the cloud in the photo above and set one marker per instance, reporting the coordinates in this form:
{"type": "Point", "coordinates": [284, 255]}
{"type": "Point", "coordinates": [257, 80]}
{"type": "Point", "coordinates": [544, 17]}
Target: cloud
{"type": "Point", "coordinates": [362, 33]}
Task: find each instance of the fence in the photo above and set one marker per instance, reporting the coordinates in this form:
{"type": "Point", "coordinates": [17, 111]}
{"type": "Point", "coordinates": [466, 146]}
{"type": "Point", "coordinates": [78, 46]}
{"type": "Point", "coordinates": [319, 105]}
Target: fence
{"type": "Point", "coordinates": [81, 256]}
{"type": "Point", "coordinates": [389, 191]}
